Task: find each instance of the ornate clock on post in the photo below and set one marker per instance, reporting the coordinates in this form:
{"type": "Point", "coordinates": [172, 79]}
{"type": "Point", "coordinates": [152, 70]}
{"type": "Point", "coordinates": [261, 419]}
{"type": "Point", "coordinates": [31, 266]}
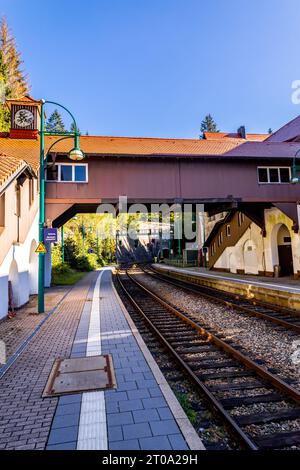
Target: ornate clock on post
{"type": "Point", "coordinates": [24, 118]}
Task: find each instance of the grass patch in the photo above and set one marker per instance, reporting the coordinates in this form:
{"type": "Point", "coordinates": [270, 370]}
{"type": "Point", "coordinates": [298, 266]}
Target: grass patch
{"type": "Point", "coordinates": [184, 401]}
{"type": "Point", "coordinates": [67, 278]}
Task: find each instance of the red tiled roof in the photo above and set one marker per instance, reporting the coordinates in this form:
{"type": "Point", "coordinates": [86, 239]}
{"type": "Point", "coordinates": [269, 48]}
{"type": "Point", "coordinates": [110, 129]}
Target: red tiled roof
{"type": "Point", "coordinates": [234, 135]}
{"type": "Point", "coordinates": [144, 146]}
{"type": "Point", "coordinates": [9, 166]}
{"type": "Point", "coordinates": [21, 149]}
{"type": "Point", "coordinates": [26, 99]}
{"type": "Point", "coordinates": [99, 145]}
{"type": "Point", "coordinates": [28, 149]}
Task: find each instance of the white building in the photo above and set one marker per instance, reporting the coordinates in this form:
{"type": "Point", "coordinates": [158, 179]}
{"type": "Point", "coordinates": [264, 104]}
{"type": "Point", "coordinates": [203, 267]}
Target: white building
{"type": "Point", "coordinates": [18, 233]}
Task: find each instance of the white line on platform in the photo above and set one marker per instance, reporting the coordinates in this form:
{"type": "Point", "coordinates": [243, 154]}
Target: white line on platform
{"type": "Point", "coordinates": [92, 434]}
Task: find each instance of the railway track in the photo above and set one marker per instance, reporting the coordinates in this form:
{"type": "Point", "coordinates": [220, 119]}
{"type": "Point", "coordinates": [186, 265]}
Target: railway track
{"type": "Point", "coordinates": [261, 410]}
{"type": "Point", "coordinates": [284, 317]}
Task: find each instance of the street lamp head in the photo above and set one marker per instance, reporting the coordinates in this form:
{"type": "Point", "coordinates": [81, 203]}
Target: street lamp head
{"type": "Point", "coordinates": [76, 154]}
{"type": "Point", "coordinates": [295, 180]}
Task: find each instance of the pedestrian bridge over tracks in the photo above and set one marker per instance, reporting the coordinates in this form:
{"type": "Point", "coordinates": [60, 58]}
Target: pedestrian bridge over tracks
{"type": "Point", "coordinates": [222, 175]}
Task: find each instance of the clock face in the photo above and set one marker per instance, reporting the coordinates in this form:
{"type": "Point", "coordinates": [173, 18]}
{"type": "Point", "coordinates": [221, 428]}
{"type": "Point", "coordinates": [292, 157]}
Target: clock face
{"type": "Point", "coordinates": [23, 118]}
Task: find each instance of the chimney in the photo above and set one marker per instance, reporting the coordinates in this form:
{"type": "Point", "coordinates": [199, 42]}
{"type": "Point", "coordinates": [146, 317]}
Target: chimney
{"type": "Point", "coordinates": [242, 132]}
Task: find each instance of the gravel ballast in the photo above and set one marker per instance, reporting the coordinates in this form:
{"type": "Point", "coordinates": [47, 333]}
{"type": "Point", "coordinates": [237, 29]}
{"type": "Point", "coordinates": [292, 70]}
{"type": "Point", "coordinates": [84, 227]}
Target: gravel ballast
{"type": "Point", "coordinates": [259, 339]}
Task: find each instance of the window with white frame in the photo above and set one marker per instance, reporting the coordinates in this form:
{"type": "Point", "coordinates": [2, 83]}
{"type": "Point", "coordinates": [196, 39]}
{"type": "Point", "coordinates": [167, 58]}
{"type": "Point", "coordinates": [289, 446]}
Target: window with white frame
{"type": "Point", "coordinates": [220, 239]}
{"type": "Point", "coordinates": [241, 218]}
{"type": "Point", "coordinates": [274, 175]}
{"type": "Point", "coordinates": [213, 249]}
{"type": "Point", "coordinates": [67, 173]}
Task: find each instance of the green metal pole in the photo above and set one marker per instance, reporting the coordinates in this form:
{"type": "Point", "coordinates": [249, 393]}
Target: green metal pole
{"type": "Point", "coordinates": [41, 273]}
{"type": "Point", "coordinates": [180, 235]}
{"type": "Point", "coordinates": [204, 236]}
{"type": "Point", "coordinates": [83, 236]}
{"type": "Point", "coordinates": [76, 138]}
{"type": "Point", "coordinates": [62, 244]}
{"type": "Point", "coordinates": [97, 238]}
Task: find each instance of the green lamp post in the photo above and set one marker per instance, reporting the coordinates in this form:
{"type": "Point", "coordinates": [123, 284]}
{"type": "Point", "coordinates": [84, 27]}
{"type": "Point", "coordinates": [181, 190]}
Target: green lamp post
{"type": "Point", "coordinates": [74, 154]}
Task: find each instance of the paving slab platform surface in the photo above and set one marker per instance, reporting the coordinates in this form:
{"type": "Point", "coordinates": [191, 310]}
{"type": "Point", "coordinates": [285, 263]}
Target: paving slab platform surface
{"type": "Point", "coordinates": [141, 413]}
{"type": "Point", "coordinates": [26, 417]}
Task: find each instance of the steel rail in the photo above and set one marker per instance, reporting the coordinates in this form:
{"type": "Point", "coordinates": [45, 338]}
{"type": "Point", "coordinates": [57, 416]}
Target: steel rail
{"type": "Point", "coordinates": [262, 372]}
{"type": "Point", "coordinates": [216, 404]}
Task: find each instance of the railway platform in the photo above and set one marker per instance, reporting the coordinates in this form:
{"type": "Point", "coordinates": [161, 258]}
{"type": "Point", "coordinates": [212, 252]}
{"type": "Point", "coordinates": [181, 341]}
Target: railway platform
{"type": "Point", "coordinates": [140, 413]}
{"type": "Point", "coordinates": [282, 292]}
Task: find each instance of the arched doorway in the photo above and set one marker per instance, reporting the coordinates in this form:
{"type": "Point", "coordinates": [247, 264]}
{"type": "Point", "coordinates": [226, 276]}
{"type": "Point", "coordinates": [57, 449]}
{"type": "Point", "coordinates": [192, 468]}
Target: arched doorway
{"type": "Point", "coordinates": [250, 258]}
{"type": "Point", "coordinates": [33, 269]}
{"type": "Point", "coordinates": [285, 255]}
{"type": "Point", "coordinates": [13, 286]}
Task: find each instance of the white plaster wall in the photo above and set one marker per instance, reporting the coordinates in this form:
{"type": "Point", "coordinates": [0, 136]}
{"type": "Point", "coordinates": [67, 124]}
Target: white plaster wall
{"type": "Point", "coordinates": [250, 258]}
{"type": "Point", "coordinates": [33, 268]}
{"type": "Point", "coordinates": [25, 284]}
{"type": "Point", "coordinates": [3, 295]}
{"type": "Point", "coordinates": [224, 260]}
{"type": "Point", "coordinates": [233, 258]}
{"type": "Point", "coordinates": [274, 219]}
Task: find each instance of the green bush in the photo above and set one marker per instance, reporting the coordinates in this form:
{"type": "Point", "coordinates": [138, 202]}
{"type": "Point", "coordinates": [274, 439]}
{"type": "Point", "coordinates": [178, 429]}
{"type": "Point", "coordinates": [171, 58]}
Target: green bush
{"type": "Point", "coordinates": [71, 250]}
{"type": "Point", "coordinates": [93, 260]}
{"type": "Point", "coordinates": [56, 255]}
{"type": "Point", "coordinates": [86, 262]}
{"type": "Point", "coordinates": [77, 254]}
{"type": "Point", "coordinates": [60, 268]}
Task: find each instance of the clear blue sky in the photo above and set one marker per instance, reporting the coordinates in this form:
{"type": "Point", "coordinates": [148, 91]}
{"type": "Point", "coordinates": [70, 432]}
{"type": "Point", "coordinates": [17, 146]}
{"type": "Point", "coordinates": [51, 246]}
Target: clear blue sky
{"type": "Point", "coordinates": [156, 67]}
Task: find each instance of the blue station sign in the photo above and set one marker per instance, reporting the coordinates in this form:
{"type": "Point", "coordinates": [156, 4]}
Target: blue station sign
{"type": "Point", "coordinates": [50, 235]}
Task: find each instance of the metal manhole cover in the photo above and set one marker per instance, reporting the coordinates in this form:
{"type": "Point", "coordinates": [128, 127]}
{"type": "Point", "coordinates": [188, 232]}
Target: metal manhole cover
{"type": "Point", "coordinates": [83, 374]}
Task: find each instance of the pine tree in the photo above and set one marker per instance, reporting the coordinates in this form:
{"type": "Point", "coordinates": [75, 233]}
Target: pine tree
{"type": "Point", "coordinates": [13, 83]}
{"type": "Point", "coordinates": [16, 80]}
{"type": "Point", "coordinates": [73, 128]}
{"type": "Point", "coordinates": [55, 123]}
{"type": "Point", "coordinates": [4, 94]}
{"type": "Point", "coordinates": [270, 131]}
{"type": "Point", "coordinates": [208, 125]}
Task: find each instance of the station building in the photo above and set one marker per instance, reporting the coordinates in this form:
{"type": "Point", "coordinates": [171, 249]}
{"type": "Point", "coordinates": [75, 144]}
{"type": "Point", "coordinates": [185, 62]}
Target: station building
{"type": "Point", "coordinates": [236, 244]}
{"type": "Point", "coordinates": [267, 244]}
{"type": "Point", "coordinates": [18, 233]}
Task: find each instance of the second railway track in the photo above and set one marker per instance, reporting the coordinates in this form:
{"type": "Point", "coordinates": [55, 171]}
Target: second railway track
{"type": "Point", "coordinates": [260, 409]}
{"type": "Point", "coordinates": [283, 317]}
